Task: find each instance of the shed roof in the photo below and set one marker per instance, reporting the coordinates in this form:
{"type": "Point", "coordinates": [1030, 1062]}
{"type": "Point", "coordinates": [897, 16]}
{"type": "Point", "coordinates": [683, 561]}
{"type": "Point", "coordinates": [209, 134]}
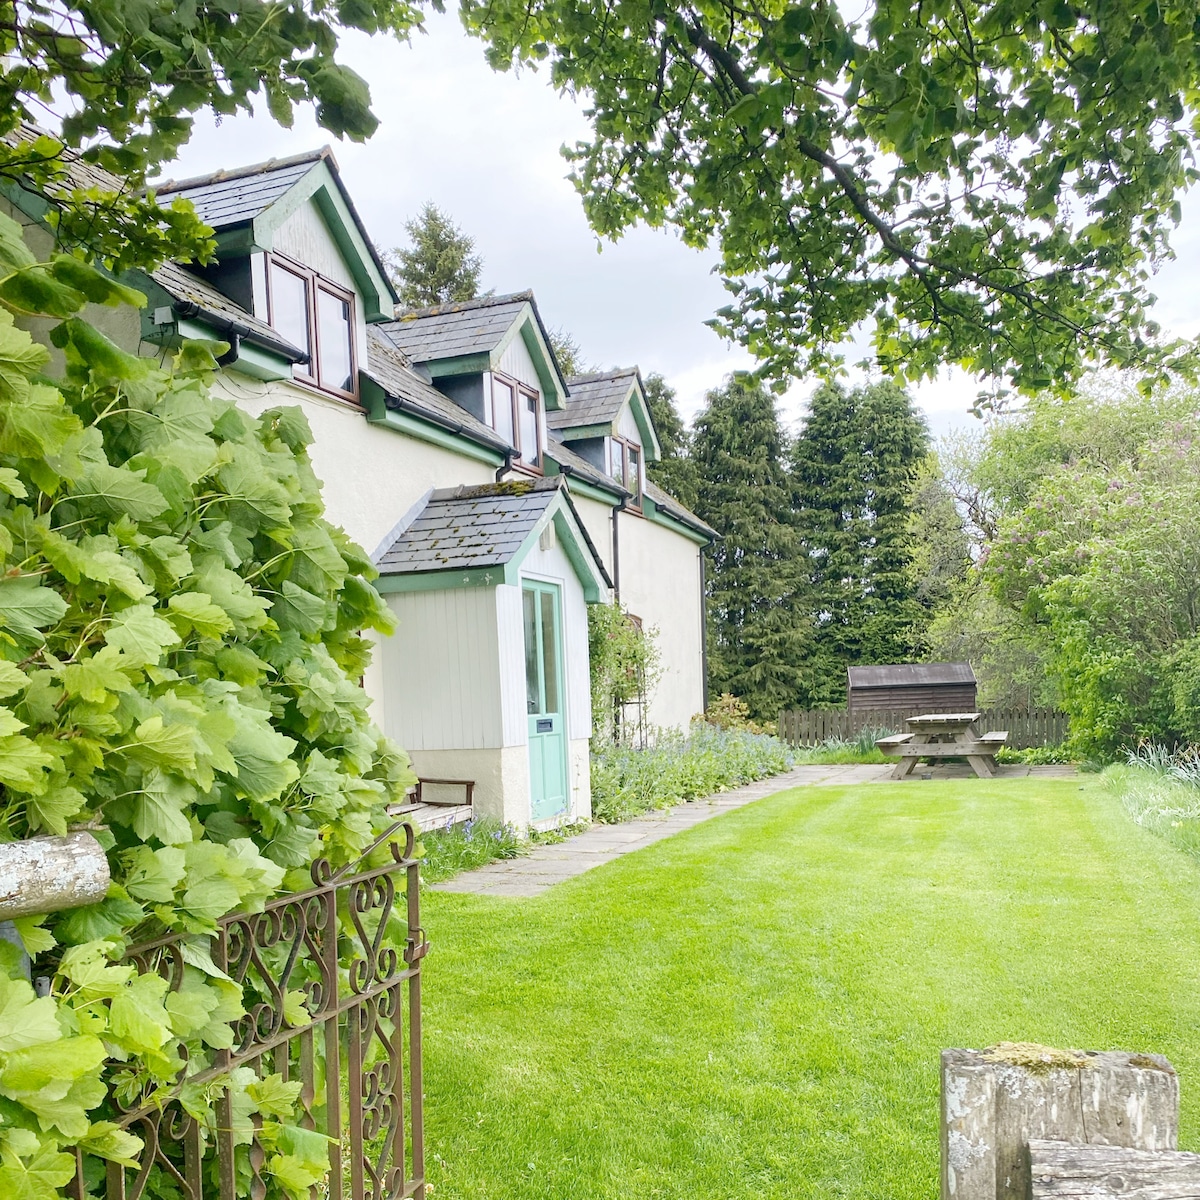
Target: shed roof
{"type": "Point", "coordinates": [454, 330]}
{"type": "Point", "coordinates": [230, 197]}
{"type": "Point", "coordinates": [405, 390]}
{"type": "Point", "coordinates": [910, 675]}
{"type": "Point", "coordinates": [595, 399]}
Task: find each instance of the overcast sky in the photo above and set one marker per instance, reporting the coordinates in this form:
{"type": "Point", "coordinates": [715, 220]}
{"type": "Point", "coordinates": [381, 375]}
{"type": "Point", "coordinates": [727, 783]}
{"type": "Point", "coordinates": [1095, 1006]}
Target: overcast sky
{"type": "Point", "coordinates": [485, 146]}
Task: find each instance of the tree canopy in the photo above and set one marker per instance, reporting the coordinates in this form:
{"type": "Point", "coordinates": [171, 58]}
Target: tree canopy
{"type": "Point", "coordinates": [981, 182]}
{"type": "Point", "coordinates": [675, 471]}
{"type": "Point", "coordinates": [124, 80]}
{"type": "Point", "coordinates": [439, 266]}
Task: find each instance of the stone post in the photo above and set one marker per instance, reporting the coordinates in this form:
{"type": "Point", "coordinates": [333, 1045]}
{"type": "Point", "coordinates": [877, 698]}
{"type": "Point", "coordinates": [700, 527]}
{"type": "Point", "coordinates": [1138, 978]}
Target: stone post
{"type": "Point", "coordinates": [995, 1101]}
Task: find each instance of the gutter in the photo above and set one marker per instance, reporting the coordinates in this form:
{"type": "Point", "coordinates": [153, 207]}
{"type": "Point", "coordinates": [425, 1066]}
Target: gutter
{"type": "Point", "coordinates": [188, 309]}
{"type": "Point", "coordinates": [399, 404]}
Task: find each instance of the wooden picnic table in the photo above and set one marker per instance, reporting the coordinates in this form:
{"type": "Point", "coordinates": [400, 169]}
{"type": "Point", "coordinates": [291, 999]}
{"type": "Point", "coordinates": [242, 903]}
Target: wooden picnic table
{"type": "Point", "coordinates": [944, 735]}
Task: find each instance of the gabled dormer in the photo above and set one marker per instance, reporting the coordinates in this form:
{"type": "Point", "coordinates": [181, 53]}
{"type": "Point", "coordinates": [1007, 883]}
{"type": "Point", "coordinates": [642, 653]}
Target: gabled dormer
{"type": "Point", "coordinates": [492, 356]}
{"type": "Point", "coordinates": [607, 423]}
{"type": "Point", "coordinates": [293, 252]}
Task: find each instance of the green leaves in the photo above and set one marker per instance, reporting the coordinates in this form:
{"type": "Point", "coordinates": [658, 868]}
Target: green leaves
{"type": "Point", "coordinates": [176, 626]}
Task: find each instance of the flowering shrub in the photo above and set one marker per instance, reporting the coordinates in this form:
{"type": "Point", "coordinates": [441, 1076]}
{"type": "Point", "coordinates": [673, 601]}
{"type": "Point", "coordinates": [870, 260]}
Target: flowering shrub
{"type": "Point", "coordinates": [626, 782]}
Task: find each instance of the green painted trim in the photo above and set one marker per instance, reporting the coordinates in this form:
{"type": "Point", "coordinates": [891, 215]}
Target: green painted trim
{"type": "Point", "coordinates": [34, 207]}
{"type": "Point", "coordinates": [594, 588]}
{"type": "Point", "coordinates": [426, 431]}
{"type": "Point", "coordinates": [554, 393]}
{"type": "Point", "coordinates": [260, 364]}
{"type": "Point", "coordinates": [467, 364]}
{"type": "Point", "coordinates": [236, 242]}
{"type": "Point", "coordinates": [320, 186]}
{"type": "Point", "coordinates": [440, 581]}
{"type": "Point", "coordinates": [580, 487]}
{"type": "Point", "coordinates": [651, 450]}
{"type": "Point", "coordinates": [652, 512]}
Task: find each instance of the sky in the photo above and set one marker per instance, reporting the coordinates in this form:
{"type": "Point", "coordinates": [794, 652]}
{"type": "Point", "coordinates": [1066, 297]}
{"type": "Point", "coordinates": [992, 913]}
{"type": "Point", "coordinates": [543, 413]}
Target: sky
{"type": "Point", "coordinates": [484, 147]}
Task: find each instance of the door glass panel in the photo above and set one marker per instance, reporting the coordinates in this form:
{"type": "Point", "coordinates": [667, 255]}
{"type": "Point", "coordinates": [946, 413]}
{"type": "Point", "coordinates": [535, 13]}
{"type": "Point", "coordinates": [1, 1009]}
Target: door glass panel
{"type": "Point", "coordinates": [289, 309]}
{"type": "Point", "coordinates": [533, 698]}
{"type": "Point", "coordinates": [550, 651]}
{"type": "Point", "coordinates": [333, 333]}
{"type": "Point", "coordinates": [529, 428]}
{"type": "Point", "coordinates": [502, 398]}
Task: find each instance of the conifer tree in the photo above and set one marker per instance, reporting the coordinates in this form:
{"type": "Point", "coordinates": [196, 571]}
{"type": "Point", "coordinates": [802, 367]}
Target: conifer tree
{"type": "Point", "coordinates": [759, 641]}
{"type": "Point", "coordinates": [675, 472]}
{"type": "Point", "coordinates": [855, 465]}
{"type": "Point", "coordinates": [440, 266]}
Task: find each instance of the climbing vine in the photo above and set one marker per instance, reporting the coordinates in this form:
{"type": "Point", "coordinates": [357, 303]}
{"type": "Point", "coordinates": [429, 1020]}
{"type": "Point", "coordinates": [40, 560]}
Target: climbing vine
{"type": "Point", "coordinates": [180, 636]}
{"type": "Point", "coordinates": [624, 662]}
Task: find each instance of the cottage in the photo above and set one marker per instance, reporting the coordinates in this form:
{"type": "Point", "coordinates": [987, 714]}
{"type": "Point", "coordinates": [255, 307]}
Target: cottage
{"type": "Point", "coordinates": [912, 688]}
{"type": "Point", "coordinates": [498, 498]}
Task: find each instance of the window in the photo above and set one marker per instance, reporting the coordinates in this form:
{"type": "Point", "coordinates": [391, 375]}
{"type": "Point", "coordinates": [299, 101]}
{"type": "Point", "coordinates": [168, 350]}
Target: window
{"type": "Point", "coordinates": [516, 417]}
{"type": "Point", "coordinates": [625, 466]}
{"type": "Point", "coordinates": [317, 316]}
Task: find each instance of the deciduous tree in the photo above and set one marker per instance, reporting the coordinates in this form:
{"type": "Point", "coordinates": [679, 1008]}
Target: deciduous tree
{"type": "Point", "coordinates": [985, 182]}
{"type": "Point", "coordinates": [675, 471]}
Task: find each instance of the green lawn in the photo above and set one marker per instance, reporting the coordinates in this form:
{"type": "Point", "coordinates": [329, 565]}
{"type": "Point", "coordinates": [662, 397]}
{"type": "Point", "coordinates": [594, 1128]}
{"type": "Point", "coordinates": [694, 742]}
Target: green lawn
{"type": "Point", "coordinates": [755, 1008]}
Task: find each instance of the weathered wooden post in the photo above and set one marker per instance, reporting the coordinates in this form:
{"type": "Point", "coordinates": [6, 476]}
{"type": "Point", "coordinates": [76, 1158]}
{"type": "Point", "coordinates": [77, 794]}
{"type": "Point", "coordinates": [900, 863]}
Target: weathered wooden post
{"type": "Point", "coordinates": [46, 874]}
{"type": "Point", "coordinates": [996, 1101]}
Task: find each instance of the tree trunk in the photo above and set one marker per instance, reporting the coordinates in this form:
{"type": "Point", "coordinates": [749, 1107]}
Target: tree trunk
{"type": "Point", "coordinates": [45, 874]}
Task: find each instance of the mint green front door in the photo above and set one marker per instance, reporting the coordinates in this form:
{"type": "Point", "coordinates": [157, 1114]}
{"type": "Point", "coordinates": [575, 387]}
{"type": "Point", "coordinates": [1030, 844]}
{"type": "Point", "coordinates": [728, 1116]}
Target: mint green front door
{"type": "Point", "coordinates": [544, 702]}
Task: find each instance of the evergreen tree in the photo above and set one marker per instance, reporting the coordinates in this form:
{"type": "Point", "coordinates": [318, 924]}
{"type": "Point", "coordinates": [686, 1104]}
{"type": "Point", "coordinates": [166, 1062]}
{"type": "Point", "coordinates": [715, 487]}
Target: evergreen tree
{"type": "Point", "coordinates": [440, 266]}
{"type": "Point", "coordinates": [855, 465]}
{"type": "Point", "coordinates": [759, 642]}
{"type": "Point", "coordinates": [675, 471]}
{"type": "Point", "coordinates": [568, 351]}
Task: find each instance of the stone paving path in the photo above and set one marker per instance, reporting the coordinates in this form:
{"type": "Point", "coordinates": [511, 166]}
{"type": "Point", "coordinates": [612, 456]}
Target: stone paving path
{"type": "Point", "coordinates": [542, 868]}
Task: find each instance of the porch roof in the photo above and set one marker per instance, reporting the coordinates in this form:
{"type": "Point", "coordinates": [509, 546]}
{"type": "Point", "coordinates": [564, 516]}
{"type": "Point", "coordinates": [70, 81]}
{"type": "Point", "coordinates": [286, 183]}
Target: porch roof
{"type": "Point", "coordinates": [489, 526]}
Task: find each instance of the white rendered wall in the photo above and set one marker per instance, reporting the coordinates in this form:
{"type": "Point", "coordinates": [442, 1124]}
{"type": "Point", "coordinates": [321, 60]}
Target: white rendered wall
{"type": "Point", "coordinates": [597, 520]}
{"type": "Point", "coordinates": [372, 475]}
{"type": "Point", "coordinates": [660, 582]}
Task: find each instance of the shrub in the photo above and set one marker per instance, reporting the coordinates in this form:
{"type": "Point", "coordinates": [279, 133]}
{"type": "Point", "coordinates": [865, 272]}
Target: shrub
{"type": "Point", "coordinates": [626, 782]}
{"type": "Point", "coordinates": [624, 665]}
{"type": "Point", "coordinates": [731, 712]}
{"type": "Point", "coordinates": [179, 645]}
{"type": "Point", "coordinates": [1160, 790]}
{"type": "Point", "coordinates": [861, 749]}
{"type": "Point", "coordinates": [1035, 756]}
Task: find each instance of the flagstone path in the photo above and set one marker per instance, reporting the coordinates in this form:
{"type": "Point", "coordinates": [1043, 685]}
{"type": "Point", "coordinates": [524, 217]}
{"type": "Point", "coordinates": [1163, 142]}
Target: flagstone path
{"type": "Point", "coordinates": [533, 873]}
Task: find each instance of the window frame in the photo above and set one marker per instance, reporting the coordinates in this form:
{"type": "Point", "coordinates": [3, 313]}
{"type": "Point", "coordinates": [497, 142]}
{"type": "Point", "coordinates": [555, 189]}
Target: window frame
{"type": "Point", "coordinates": [624, 446]}
{"type": "Point", "coordinates": [521, 391]}
{"type": "Point", "coordinates": [315, 283]}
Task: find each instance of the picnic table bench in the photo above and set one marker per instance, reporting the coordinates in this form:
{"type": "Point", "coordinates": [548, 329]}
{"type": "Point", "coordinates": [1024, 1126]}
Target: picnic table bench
{"type": "Point", "coordinates": [944, 735]}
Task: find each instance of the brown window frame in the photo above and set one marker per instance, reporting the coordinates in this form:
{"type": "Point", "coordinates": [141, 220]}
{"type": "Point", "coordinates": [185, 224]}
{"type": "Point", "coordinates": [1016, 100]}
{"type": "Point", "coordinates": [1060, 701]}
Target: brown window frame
{"type": "Point", "coordinates": [314, 283]}
{"type": "Point", "coordinates": [519, 391]}
{"type": "Point", "coordinates": [625, 446]}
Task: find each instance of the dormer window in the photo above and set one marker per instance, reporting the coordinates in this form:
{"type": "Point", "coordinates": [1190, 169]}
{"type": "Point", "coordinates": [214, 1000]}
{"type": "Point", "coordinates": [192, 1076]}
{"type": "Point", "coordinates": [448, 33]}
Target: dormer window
{"type": "Point", "coordinates": [625, 466]}
{"type": "Point", "coordinates": [316, 315]}
{"type": "Point", "coordinates": [516, 417]}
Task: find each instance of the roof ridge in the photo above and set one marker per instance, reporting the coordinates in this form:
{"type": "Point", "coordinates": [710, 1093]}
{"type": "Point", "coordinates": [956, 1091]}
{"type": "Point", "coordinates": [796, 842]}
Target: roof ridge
{"type": "Point", "coordinates": [260, 168]}
{"type": "Point", "coordinates": [454, 306]}
{"type": "Point", "coordinates": [596, 376]}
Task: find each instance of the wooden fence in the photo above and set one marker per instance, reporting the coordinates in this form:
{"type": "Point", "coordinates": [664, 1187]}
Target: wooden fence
{"type": "Point", "coordinates": [1026, 727]}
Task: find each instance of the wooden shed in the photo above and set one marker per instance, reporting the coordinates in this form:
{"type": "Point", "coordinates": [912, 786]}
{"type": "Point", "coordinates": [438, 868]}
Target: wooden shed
{"type": "Point", "coordinates": [912, 687]}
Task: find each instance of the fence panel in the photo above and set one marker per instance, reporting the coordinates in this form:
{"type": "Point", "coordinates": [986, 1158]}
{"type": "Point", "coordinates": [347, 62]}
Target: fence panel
{"type": "Point", "coordinates": [1026, 727]}
{"type": "Point", "coordinates": [356, 1030]}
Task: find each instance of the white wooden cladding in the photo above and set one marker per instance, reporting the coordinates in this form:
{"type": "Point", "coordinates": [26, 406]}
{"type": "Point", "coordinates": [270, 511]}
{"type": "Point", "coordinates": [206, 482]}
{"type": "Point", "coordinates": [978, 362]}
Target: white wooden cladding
{"type": "Point", "coordinates": [442, 671]}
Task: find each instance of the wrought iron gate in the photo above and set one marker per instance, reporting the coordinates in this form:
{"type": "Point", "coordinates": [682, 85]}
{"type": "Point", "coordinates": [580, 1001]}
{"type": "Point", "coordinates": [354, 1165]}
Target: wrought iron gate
{"type": "Point", "coordinates": [359, 1027]}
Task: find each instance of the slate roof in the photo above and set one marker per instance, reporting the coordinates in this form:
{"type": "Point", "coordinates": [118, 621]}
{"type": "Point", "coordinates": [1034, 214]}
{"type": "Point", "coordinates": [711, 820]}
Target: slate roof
{"type": "Point", "coordinates": [406, 391]}
{"type": "Point", "coordinates": [595, 399]}
{"type": "Point", "coordinates": [454, 330]}
{"type": "Point", "coordinates": [673, 508]}
{"type": "Point", "coordinates": [462, 527]}
{"type": "Point", "coordinates": [910, 675]}
{"type": "Point", "coordinates": [233, 197]}
{"type": "Point", "coordinates": [573, 465]}
{"type": "Point", "coordinates": [182, 285]}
